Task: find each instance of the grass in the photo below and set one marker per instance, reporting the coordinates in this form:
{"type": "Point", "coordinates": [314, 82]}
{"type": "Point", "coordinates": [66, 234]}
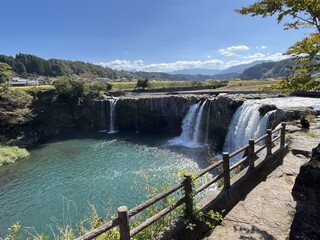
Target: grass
{"type": "Point", "coordinates": [311, 118]}
{"type": "Point", "coordinates": [10, 154]}
{"type": "Point", "coordinates": [250, 82]}
{"type": "Point", "coordinates": [42, 87]}
{"type": "Point", "coordinates": [308, 134]}
{"type": "Point", "coordinates": [118, 86]}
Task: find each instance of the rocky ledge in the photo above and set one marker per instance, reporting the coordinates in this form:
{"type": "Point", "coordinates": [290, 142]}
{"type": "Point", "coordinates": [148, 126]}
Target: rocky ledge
{"type": "Point", "coordinates": [272, 210]}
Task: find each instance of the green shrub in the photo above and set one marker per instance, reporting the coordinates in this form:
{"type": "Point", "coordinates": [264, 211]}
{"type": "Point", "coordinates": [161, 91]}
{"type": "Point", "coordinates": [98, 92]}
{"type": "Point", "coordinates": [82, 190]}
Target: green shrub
{"type": "Point", "coordinates": [9, 154]}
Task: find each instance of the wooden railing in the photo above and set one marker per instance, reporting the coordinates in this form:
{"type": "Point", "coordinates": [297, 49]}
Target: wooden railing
{"type": "Point", "coordinates": [124, 215]}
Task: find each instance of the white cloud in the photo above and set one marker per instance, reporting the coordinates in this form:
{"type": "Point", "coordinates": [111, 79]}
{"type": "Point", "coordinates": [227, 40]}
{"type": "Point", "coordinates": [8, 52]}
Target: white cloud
{"type": "Point", "coordinates": [226, 53]}
{"type": "Point", "coordinates": [255, 56]}
{"type": "Point", "coordinates": [261, 47]}
{"type": "Point", "coordinates": [139, 65]}
{"type": "Point", "coordinates": [229, 51]}
{"type": "Point", "coordinates": [238, 48]}
{"type": "Point", "coordinates": [277, 57]}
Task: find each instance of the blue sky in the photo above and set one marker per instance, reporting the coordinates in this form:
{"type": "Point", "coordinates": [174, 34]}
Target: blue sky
{"type": "Point", "coordinates": [149, 35]}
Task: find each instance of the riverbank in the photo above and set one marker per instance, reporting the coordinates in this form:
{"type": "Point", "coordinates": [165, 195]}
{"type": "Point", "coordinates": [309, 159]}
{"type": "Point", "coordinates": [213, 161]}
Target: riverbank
{"type": "Point", "coordinates": [268, 211]}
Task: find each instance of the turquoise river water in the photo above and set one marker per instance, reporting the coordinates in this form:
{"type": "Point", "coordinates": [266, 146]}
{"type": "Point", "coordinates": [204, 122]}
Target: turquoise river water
{"type": "Point", "coordinates": [59, 181]}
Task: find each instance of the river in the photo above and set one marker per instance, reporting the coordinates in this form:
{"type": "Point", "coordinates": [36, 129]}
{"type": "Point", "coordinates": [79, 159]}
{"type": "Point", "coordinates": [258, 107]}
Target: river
{"type": "Point", "coordinates": [58, 182]}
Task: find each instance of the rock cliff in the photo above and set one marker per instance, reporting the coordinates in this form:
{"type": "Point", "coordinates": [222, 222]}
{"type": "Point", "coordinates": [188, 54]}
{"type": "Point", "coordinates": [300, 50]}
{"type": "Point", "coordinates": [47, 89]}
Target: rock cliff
{"type": "Point", "coordinates": [306, 192]}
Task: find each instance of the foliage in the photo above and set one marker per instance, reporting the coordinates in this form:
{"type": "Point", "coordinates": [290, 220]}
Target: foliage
{"type": "Point", "coordinates": [308, 134]}
{"type": "Point", "coordinates": [30, 64]}
{"type": "Point", "coordinates": [13, 232]}
{"type": "Point", "coordinates": [5, 74]}
{"type": "Point", "coordinates": [96, 90]}
{"type": "Point", "coordinates": [210, 218]}
{"type": "Point", "coordinates": [10, 154]}
{"type": "Point", "coordinates": [14, 108]}
{"type": "Point", "coordinates": [297, 14]}
{"type": "Point", "coordinates": [143, 83]}
{"type": "Point", "coordinates": [69, 90]}
{"type": "Point", "coordinates": [302, 13]}
{"type": "Point", "coordinates": [311, 118]}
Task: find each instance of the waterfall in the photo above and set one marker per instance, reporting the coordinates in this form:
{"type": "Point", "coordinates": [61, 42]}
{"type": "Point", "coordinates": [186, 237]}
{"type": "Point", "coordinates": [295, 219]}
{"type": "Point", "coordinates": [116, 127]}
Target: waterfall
{"type": "Point", "coordinates": [102, 116]}
{"type": "Point", "coordinates": [208, 123]}
{"type": "Point", "coordinates": [192, 127]}
{"type": "Point", "coordinates": [246, 124]}
{"type": "Point", "coordinates": [112, 115]}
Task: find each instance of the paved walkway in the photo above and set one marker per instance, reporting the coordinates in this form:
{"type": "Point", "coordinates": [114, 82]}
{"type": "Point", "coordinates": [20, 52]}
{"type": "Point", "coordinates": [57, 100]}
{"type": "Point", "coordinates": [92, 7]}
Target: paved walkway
{"type": "Point", "coordinates": [267, 212]}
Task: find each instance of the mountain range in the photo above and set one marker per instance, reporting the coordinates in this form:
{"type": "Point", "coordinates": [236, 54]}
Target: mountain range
{"type": "Point", "coordinates": [26, 65]}
{"type": "Point", "coordinates": [204, 71]}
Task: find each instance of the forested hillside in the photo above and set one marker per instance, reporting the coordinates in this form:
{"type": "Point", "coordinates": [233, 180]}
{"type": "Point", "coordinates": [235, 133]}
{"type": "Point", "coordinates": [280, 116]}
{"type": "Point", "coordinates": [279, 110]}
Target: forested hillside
{"type": "Point", "coordinates": [27, 64]}
{"type": "Point", "coordinates": [269, 70]}
{"type": "Point", "coordinates": [24, 64]}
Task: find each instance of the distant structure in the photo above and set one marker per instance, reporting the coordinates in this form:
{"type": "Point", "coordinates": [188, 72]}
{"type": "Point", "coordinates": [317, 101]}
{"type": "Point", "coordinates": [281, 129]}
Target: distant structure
{"type": "Point", "coordinates": [23, 82]}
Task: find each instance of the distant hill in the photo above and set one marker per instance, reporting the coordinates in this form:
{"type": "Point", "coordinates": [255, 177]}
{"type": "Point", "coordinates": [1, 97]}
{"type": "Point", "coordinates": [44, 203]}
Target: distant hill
{"type": "Point", "coordinates": [268, 70]}
{"type": "Point", "coordinates": [219, 73]}
{"type": "Point", "coordinates": [197, 71]}
{"type": "Point", "coordinates": [225, 76]}
{"type": "Point", "coordinates": [30, 65]}
{"type": "Point", "coordinates": [240, 68]}
{"type": "Point", "coordinates": [27, 64]}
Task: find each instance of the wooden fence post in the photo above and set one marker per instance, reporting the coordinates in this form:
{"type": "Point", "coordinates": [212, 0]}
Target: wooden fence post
{"type": "Point", "coordinates": [124, 223]}
{"type": "Point", "coordinates": [226, 170]}
{"type": "Point", "coordinates": [283, 135]}
{"type": "Point", "coordinates": [251, 154]}
{"type": "Point", "coordinates": [269, 142]}
{"type": "Point", "coordinates": [188, 195]}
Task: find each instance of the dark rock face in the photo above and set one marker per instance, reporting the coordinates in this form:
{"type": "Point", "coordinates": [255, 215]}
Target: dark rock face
{"type": "Point", "coordinates": [221, 112]}
{"type": "Point", "coordinates": [290, 114]}
{"type": "Point", "coordinates": [306, 192]}
{"type": "Point", "coordinates": [153, 114]}
{"type": "Point", "coordinates": [166, 113]}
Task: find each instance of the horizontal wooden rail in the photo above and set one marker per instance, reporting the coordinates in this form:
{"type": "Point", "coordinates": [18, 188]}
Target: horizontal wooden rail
{"type": "Point", "coordinates": [154, 199]}
{"type": "Point", "coordinates": [124, 215]}
{"type": "Point", "coordinates": [260, 149]}
{"type": "Point", "coordinates": [276, 138]}
{"type": "Point", "coordinates": [245, 147]}
{"type": "Point", "coordinates": [209, 183]}
{"type": "Point", "coordinates": [238, 163]}
{"type": "Point", "coordinates": [208, 169]}
{"type": "Point", "coordinates": [263, 137]}
{"type": "Point", "coordinates": [156, 217]}
{"type": "Point", "coordinates": [276, 130]}
{"type": "Point", "coordinates": [98, 231]}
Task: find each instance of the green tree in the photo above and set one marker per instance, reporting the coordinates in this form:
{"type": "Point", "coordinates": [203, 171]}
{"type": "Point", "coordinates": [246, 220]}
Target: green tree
{"type": "Point", "coordinates": [295, 14]}
{"type": "Point", "coordinates": [143, 83]}
{"type": "Point", "coordinates": [5, 74]}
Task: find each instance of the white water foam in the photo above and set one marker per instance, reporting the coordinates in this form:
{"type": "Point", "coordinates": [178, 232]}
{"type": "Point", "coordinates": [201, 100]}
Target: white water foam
{"type": "Point", "coordinates": [192, 127]}
{"type": "Point", "coordinates": [112, 116]}
{"type": "Point", "coordinates": [248, 124]}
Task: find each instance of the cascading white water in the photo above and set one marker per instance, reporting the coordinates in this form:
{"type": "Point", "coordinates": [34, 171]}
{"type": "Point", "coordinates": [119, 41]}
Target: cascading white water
{"type": "Point", "coordinates": [208, 123]}
{"type": "Point", "coordinates": [192, 127]}
{"type": "Point", "coordinates": [112, 115]}
{"type": "Point", "coordinates": [246, 124]}
{"type": "Point", "coordinates": [102, 116]}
